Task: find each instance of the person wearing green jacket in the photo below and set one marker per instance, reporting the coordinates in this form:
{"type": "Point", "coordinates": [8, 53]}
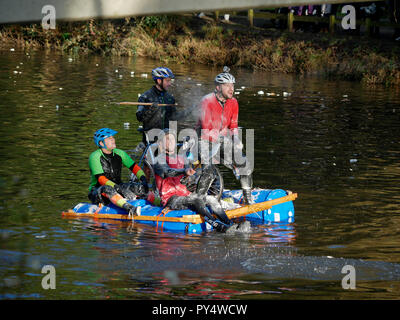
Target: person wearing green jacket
{"type": "Point", "coordinates": [105, 169]}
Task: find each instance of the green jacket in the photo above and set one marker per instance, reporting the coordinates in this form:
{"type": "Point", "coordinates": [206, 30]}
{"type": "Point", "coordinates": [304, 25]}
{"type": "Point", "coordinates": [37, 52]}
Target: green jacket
{"type": "Point", "coordinates": [110, 166]}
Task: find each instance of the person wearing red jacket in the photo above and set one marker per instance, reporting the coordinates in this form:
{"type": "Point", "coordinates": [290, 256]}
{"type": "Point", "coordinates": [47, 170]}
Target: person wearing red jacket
{"type": "Point", "coordinates": [169, 169]}
{"type": "Point", "coordinates": [219, 128]}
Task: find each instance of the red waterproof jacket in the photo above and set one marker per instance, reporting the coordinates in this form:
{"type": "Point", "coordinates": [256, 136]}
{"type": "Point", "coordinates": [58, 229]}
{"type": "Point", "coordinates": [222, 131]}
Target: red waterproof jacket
{"type": "Point", "coordinates": [216, 120]}
{"type": "Point", "coordinates": [168, 178]}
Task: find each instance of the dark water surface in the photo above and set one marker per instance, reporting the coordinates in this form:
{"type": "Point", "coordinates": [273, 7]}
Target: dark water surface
{"type": "Point", "coordinates": [334, 143]}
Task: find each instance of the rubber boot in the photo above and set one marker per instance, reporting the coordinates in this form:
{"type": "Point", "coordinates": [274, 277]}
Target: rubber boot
{"type": "Point", "coordinates": [217, 225]}
{"type": "Point", "coordinates": [201, 209]}
{"type": "Point", "coordinates": [247, 184]}
{"type": "Point", "coordinates": [222, 216]}
{"type": "Point", "coordinates": [220, 226]}
{"type": "Point", "coordinates": [247, 198]}
{"type": "Point", "coordinates": [132, 210]}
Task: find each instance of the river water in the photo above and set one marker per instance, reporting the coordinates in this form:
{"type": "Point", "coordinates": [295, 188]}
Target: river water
{"type": "Point", "coordinates": [334, 143]}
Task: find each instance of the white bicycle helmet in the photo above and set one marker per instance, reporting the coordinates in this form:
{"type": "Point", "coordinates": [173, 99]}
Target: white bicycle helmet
{"type": "Point", "coordinates": [224, 77]}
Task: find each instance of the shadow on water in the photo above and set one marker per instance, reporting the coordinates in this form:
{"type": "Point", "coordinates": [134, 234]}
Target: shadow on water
{"type": "Point", "coordinates": [334, 143]}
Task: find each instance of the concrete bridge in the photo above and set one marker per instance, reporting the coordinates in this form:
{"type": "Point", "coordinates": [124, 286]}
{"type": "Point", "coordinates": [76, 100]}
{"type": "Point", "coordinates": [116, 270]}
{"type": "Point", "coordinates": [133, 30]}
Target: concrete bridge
{"type": "Point", "coordinates": [20, 11]}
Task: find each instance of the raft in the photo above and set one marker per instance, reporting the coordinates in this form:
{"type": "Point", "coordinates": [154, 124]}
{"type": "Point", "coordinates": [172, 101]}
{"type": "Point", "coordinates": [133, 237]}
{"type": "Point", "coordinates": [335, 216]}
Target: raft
{"type": "Point", "coordinates": [270, 206]}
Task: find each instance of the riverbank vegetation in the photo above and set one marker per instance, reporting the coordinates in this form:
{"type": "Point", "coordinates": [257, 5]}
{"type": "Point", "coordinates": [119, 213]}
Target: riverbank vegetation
{"type": "Point", "coordinates": [188, 39]}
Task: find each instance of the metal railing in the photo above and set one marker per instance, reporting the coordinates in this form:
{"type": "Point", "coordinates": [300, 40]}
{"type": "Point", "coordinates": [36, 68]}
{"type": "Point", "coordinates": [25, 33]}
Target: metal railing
{"type": "Point", "coordinates": [330, 20]}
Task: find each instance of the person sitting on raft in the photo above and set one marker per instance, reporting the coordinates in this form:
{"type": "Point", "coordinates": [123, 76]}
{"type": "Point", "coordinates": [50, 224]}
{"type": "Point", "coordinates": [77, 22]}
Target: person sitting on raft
{"type": "Point", "coordinates": [105, 168]}
{"type": "Point", "coordinates": [169, 169]}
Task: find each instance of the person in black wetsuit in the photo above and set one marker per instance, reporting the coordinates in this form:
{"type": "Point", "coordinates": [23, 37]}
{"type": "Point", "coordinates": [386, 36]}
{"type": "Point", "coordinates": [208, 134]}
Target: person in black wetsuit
{"type": "Point", "coordinates": [154, 116]}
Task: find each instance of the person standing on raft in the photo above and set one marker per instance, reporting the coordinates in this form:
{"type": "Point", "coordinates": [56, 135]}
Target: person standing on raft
{"type": "Point", "coordinates": [219, 125]}
{"type": "Point", "coordinates": [169, 169]}
{"type": "Point", "coordinates": [105, 169]}
{"type": "Point", "coordinates": [154, 116]}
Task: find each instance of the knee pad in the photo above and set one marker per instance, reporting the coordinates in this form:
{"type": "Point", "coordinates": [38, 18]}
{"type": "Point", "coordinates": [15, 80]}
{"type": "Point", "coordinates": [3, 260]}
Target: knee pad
{"type": "Point", "coordinates": [108, 190]}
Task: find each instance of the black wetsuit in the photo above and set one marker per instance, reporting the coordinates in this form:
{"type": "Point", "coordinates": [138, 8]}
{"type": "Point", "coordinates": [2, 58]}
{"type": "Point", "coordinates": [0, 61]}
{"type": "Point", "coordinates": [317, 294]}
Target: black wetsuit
{"type": "Point", "coordinates": [154, 116]}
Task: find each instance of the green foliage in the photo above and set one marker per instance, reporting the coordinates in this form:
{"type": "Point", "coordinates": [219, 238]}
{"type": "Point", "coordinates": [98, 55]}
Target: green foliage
{"type": "Point", "coordinates": [154, 21]}
{"type": "Point", "coordinates": [66, 35]}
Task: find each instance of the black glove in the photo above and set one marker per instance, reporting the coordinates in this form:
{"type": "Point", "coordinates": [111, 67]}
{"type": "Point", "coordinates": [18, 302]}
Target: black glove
{"type": "Point", "coordinates": [148, 112]}
{"type": "Point", "coordinates": [118, 188]}
{"type": "Point", "coordinates": [143, 180]}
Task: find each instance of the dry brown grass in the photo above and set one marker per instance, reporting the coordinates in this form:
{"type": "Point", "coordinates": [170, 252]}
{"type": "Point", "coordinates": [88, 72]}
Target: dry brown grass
{"type": "Point", "coordinates": [175, 39]}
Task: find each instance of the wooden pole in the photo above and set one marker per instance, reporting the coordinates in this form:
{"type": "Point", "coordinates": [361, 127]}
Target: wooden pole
{"type": "Point", "coordinates": [127, 103]}
{"type": "Point", "coordinates": [290, 21]}
{"type": "Point", "coordinates": [250, 16]}
{"type": "Point", "coordinates": [332, 22]}
{"type": "Point", "coordinates": [368, 26]}
{"type": "Point", "coordinates": [261, 206]}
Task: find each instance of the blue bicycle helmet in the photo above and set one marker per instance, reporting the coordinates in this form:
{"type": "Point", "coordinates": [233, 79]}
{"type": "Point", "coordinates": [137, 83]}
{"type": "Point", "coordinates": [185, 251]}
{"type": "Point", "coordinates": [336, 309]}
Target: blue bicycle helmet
{"type": "Point", "coordinates": [161, 73]}
{"type": "Point", "coordinates": [102, 134]}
